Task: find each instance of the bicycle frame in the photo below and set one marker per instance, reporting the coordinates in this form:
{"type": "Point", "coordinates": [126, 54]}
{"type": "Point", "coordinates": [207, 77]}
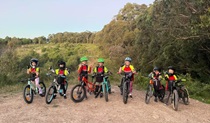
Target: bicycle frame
{"type": "Point", "coordinates": [33, 86]}
{"type": "Point", "coordinates": [105, 82]}
{"type": "Point", "coordinates": [89, 85]}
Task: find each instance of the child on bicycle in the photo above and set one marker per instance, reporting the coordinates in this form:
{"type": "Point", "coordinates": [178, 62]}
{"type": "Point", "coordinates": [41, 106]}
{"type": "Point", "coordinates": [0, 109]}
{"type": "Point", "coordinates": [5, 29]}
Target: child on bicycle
{"type": "Point", "coordinates": [34, 71]}
{"type": "Point", "coordinates": [99, 72]}
{"type": "Point", "coordinates": [156, 76]}
{"type": "Point", "coordinates": [83, 69]}
{"type": "Point", "coordinates": [127, 68]}
{"type": "Point", "coordinates": [170, 76]}
{"type": "Point", "coordinates": [62, 72]}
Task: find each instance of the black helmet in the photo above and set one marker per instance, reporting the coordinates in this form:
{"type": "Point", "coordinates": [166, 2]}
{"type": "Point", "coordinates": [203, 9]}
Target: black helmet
{"type": "Point", "coordinates": [62, 63]}
{"type": "Point", "coordinates": [156, 68]}
{"type": "Point", "coordinates": [34, 60]}
{"type": "Point", "coordinates": [171, 67]}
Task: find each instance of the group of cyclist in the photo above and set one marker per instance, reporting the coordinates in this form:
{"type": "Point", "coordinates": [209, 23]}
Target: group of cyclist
{"type": "Point", "coordinates": [100, 70]}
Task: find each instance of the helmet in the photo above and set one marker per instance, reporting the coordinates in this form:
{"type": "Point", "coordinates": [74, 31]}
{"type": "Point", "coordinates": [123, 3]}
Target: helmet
{"type": "Point", "coordinates": [171, 67]}
{"type": "Point", "coordinates": [128, 59]}
{"type": "Point", "coordinates": [62, 63]}
{"type": "Point", "coordinates": [156, 68]}
{"type": "Point", "coordinates": [34, 60]}
{"type": "Point", "coordinates": [84, 58]}
{"type": "Point", "coordinates": [101, 60]}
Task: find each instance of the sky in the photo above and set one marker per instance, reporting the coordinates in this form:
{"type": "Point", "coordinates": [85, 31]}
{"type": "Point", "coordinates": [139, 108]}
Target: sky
{"type": "Point", "coordinates": [34, 18]}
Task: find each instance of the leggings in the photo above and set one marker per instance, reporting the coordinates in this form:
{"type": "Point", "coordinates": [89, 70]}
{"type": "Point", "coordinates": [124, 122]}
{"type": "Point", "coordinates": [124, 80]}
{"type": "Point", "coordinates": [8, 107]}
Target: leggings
{"type": "Point", "coordinates": [63, 87]}
{"type": "Point", "coordinates": [37, 84]}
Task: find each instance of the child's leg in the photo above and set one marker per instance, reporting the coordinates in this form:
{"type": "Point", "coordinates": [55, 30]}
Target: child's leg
{"type": "Point", "coordinates": [131, 87]}
{"type": "Point", "coordinates": [37, 84]}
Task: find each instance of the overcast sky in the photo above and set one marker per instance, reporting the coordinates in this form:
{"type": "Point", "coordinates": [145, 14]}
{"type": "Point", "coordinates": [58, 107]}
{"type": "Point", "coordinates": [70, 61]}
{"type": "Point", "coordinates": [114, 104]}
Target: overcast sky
{"type": "Point", "coordinates": [33, 18]}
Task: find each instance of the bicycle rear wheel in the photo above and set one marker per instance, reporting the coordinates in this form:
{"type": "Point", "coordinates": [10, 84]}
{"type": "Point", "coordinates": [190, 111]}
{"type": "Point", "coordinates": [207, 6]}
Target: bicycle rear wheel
{"type": "Point", "coordinates": [149, 94]}
{"type": "Point", "coordinates": [162, 94]}
{"type": "Point", "coordinates": [125, 92]}
{"type": "Point", "coordinates": [28, 95]}
{"type": "Point", "coordinates": [78, 93]}
{"type": "Point", "coordinates": [43, 87]}
{"type": "Point", "coordinates": [175, 100]}
{"type": "Point", "coordinates": [50, 94]}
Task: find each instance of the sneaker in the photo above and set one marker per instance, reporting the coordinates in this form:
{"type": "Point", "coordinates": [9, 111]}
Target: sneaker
{"type": "Point", "coordinates": [101, 95]}
{"type": "Point", "coordinates": [155, 99]}
{"type": "Point", "coordinates": [130, 95]}
{"type": "Point", "coordinates": [64, 96]}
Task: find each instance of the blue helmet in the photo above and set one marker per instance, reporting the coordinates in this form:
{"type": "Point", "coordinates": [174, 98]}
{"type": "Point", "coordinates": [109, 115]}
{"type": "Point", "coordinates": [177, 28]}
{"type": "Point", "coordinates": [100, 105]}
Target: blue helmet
{"type": "Point", "coordinates": [128, 59]}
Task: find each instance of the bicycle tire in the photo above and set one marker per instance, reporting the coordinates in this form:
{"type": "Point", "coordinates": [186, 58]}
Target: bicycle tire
{"type": "Point", "coordinates": [28, 98]}
{"type": "Point", "coordinates": [81, 90]}
{"type": "Point", "coordinates": [105, 92]}
{"type": "Point", "coordinates": [50, 94]}
{"type": "Point", "coordinates": [148, 94]}
{"type": "Point", "coordinates": [125, 93]}
{"type": "Point", "coordinates": [185, 97]}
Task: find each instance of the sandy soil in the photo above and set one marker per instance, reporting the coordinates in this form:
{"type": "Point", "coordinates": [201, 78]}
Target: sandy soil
{"type": "Point", "coordinates": [14, 109]}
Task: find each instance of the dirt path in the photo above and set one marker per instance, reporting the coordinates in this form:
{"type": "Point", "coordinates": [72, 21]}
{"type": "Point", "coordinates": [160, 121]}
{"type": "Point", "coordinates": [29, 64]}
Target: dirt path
{"type": "Point", "coordinates": [14, 109]}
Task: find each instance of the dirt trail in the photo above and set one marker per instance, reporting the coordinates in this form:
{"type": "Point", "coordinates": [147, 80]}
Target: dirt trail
{"type": "Point", "coordinates": [14, 109]}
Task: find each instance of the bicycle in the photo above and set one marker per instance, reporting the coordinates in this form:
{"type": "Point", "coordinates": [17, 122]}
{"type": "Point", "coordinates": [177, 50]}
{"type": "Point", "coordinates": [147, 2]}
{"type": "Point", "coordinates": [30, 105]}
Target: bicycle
{"type": "Point", "coordinates": [150, 91]}
{"type": "Point", "coordinates": [30, 89]}
{"type": "Point", "coordinates": [125, 86]}
{"type": "Point", "coordinates": [175, 93]}
{"type": "Point", "coordinates": [55, 87]}
{"type": "Point", "coordinates": [106, 87]}
{"type": "Point", "coordinates": [78, 92]}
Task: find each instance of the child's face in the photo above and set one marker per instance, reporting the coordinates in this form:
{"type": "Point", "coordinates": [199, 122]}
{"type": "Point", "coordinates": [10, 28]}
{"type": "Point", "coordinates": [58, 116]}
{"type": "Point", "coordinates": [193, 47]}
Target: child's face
{"type": "Point", "coordinates": [33, 63]}
{"type": "Point", "coordinates": [61, 65]}
{"type": "Point", "coordinates": [127, 63]}
{"type": "Point", "coordinates": [157, 72]}
{"type": "Point", "coordinates": [171, 71]}
{"type": "Point", "coordinates": [100, 64]}
{"type": "Point", "coordinates": [84, 62]}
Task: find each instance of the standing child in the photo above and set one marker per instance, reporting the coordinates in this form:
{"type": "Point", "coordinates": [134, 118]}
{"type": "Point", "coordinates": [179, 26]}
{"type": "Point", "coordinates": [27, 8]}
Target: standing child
{"type": "Point", "coordinates": [127, 68]}
{"type": "Point", "coordinates": [62, 72]}
{"type": "Point", "coordinates": [156, 78]}
{"type": "Point", "coordinates": [83, 69]}
{"type": "Point", "coordinates": [34, 70]}
{"type": "Point", "coordinates": [99, 71]}
{"type": "Point", "coordinates": [170, 76]}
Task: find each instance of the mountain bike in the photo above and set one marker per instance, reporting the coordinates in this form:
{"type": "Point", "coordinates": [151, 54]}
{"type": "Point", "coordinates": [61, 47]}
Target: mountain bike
{"type": "Point", "coordinates": [55, 87]}
{"type": "Point", "coordinates": [176, 92]}
{"type": "Point", "coordinates": [106, 87]}
{"type": "Point", "coordinates": [78, 92]}
{"type": "Point", "coordinates": [150, 91]}
{"type": "Point", "coordinates": [125, 83]}
{"type": "Point", "coordinates": [30, 89]}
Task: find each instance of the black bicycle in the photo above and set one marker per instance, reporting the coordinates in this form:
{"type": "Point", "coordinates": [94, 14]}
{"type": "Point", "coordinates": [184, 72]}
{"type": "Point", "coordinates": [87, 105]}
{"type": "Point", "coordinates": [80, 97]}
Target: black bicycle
{"type": "Point", "coordinates": [177, 92]}
{"type": "Point", "coordinates": [150, 91]}
{"type": "Point", "coordinates": [125, 86]}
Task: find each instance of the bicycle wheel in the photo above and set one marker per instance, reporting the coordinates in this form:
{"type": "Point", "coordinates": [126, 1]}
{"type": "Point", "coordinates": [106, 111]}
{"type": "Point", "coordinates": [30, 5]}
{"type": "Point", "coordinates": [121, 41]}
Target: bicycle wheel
{"type": "Point", "coordinates": [162, 94]}
{"type": "Point", "coordinates": [78, 93]}
{"type": "Point", "coordinates": [105, 92]}
{"type": "Point", "coordinates": [109, 86]}
{"type": "Point", "coordinates": [28, 95]}
{"type": "Point", "coordinates": [125, 92]}
{"type": "Point", "coordinates": [43, 87]}
{"type": "Point", "coordinates": [175, 100]}
{"type": "Point", "coordinates": [185, 97]}
{"type": "Point", "coordinates": [149, 94]}
{"type": "Point", "coordinates": [50, 94]}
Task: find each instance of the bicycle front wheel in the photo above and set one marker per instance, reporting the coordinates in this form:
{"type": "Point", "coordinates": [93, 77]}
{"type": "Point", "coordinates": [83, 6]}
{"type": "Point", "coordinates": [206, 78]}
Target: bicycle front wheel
{"type": "Point", "coordinates": [175, 100]}
{"type": "Point", "coordinates": [105, 88]}
{"type": "Point", "coordinates": [78, 93]}
{"type": "Point", "coordinates": [125, 92]}
{"type": "Point", "coordinates": [50, 94]}
{"type": "Point", "coordinates": [149, 94]}
{"type": "Point", "coordinates": [28, 94]}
